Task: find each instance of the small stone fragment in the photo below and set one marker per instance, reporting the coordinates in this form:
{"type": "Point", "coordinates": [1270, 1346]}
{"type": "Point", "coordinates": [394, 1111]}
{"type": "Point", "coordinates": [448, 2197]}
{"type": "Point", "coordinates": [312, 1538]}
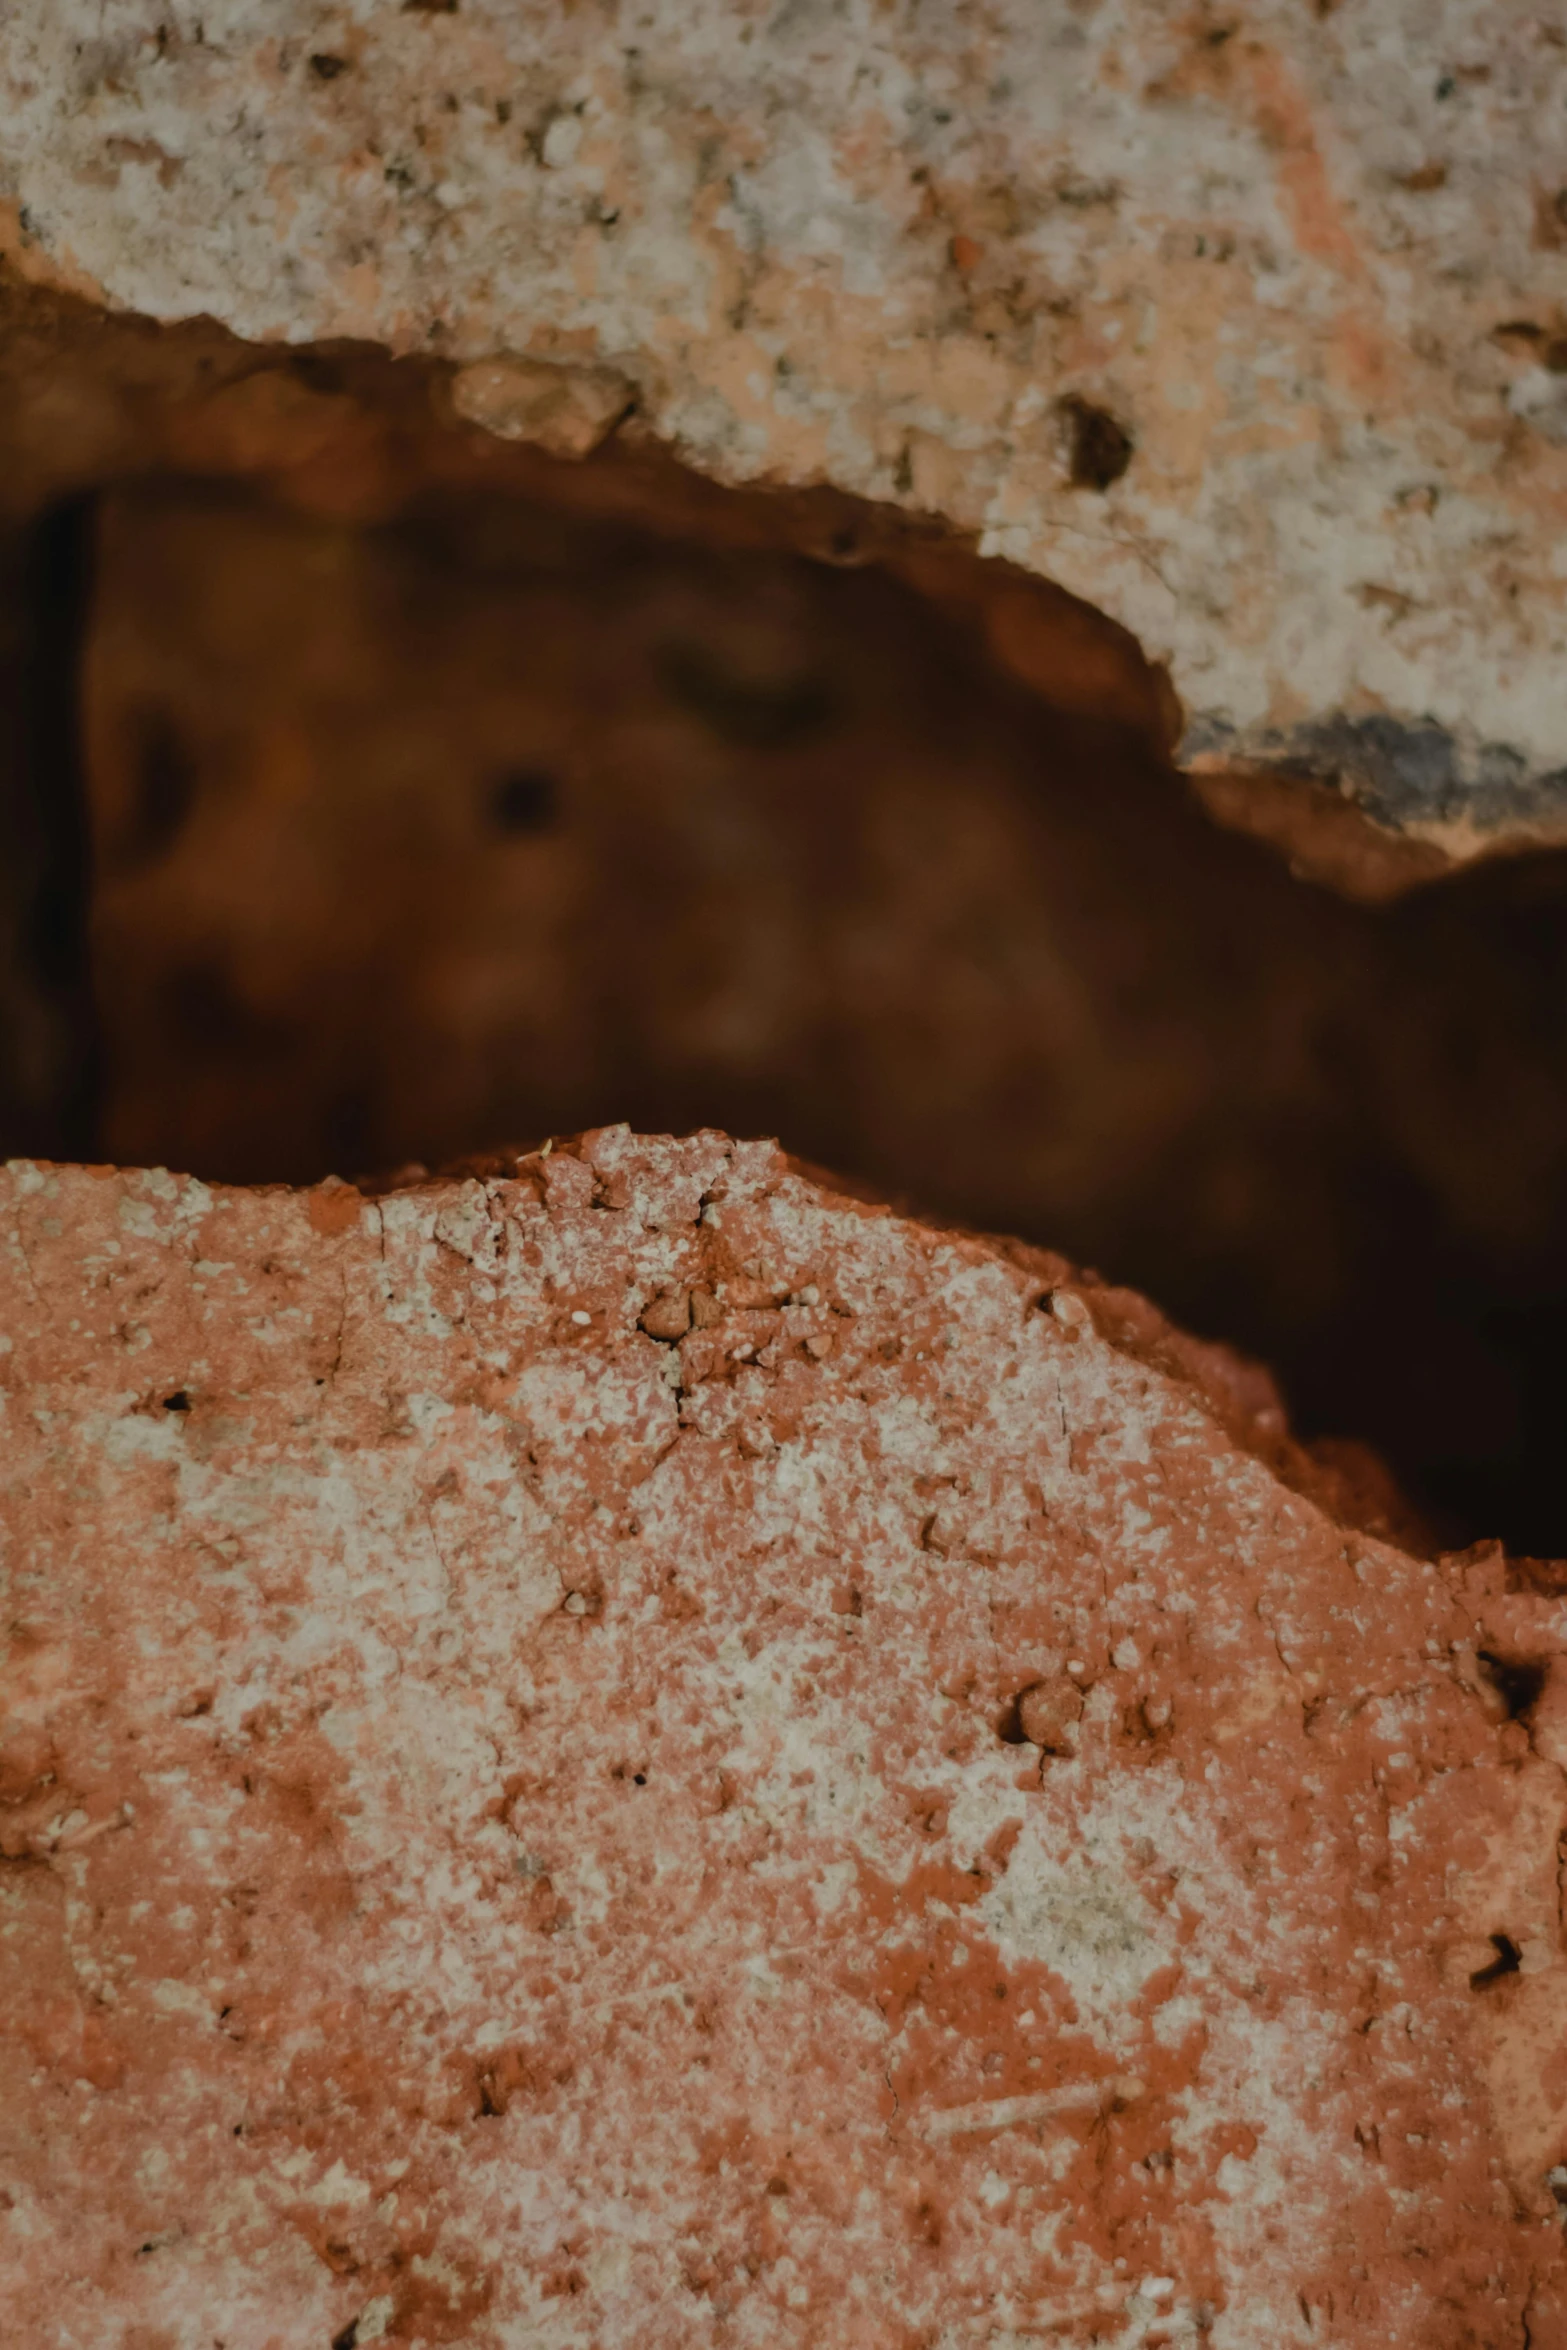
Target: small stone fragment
{"type": "Point", "coordinates": [1049, 1714]}
{"type": "Point", "coordinates": [1067, 1308]}
{"type": "Point", "coordinates": [668, 1316]}
{"type": "Point", "coordinates": [567, 410]}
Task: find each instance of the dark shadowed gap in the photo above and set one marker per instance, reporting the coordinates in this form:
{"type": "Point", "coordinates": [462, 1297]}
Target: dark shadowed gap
{"type": "Point", "coordinates": [49, 1058]}
{"type": "Point", "coordinates": [496, 821]}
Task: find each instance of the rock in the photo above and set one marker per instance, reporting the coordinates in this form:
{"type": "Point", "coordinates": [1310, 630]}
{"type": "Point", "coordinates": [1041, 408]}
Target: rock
{"type": "Point", "coordinates": [1049, 1713]}
{"type": "Point", "coordinates": [668, 1317]}
{"type": "Point", "coordinates": [511, 1834]}
{"type": "Point", "coordinates": [568, 411]}
{"type": "Point", "coordinates": [1247, 330]}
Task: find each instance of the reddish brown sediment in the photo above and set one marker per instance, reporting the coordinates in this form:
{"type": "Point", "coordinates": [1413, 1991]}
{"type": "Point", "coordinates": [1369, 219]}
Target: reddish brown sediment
{"type": "Point", "coordinates": [524, 1825]}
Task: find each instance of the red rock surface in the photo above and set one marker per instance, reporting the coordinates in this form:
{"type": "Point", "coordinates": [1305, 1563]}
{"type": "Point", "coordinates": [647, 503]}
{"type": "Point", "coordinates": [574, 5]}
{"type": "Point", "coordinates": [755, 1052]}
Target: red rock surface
{"type": "Point", "coordinates": [543, 1801]}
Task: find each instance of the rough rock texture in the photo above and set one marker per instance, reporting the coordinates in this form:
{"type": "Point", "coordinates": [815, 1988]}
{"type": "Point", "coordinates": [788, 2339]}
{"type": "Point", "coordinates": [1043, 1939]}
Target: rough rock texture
{"type": "Point", "coordinates": [1246, 325]}
{"type": "Point", "coordinates": [638, 1753]}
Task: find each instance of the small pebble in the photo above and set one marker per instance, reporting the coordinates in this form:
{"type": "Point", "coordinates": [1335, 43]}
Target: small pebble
{"type": "Point", "coordinates": [1048, 1715]}
{"type": "Point", "coordinates": [558, 149]}
{"type": "Point", "coordinates": [581, 1319]}
{"type": "Point", "coordinates": [667, 1317]}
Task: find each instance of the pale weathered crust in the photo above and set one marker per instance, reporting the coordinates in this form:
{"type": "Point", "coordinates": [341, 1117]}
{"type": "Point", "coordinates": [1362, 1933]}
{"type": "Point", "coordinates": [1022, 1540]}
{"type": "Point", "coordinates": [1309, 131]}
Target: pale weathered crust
{"type": "Point", "coordinates": [520, 1829]}
{"type": "Point", "coordinates": [1243, 324]}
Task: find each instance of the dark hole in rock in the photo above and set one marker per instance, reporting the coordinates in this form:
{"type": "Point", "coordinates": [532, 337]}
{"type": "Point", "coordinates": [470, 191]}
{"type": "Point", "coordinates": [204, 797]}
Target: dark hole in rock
{"type": "Point", "coordinates": [787, 850]}
{"type": "Point", "coordinates": [1009, 1727]}
{"type": "Point", "coordinates": [49, 1076]}
{"type": "Point", "coordinates": [1518, 1681]}
{"type": "Point", "coordinates": [1508, 1961]}
{"type": "Point", "coordinates": [1099, 449]}
{"type": "Point", "coordinates": [525, 799]}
